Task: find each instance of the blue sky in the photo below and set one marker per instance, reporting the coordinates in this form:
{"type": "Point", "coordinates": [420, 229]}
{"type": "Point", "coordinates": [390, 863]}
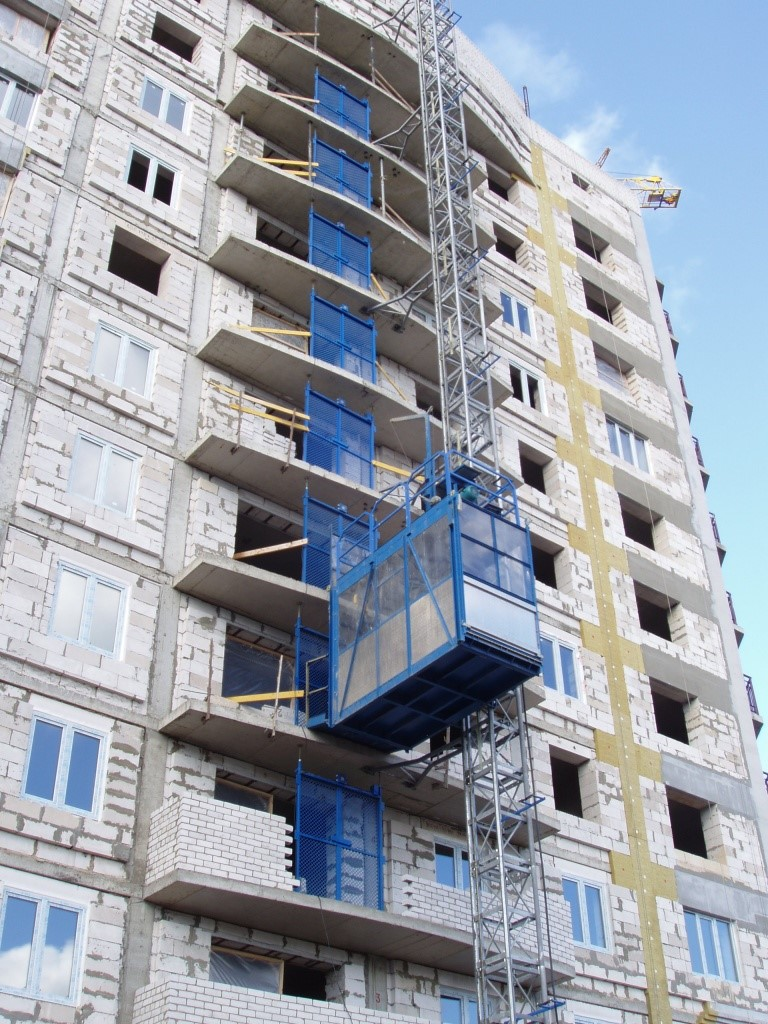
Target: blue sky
{"type": "Point", "coordinates": [678, 90]}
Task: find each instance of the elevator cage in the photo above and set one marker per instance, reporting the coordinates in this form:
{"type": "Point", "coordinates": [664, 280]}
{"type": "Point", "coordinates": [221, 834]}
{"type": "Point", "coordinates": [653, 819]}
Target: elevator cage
{"type": "Point", "coordinates": [338, 439]}
{"type": "Point", "coordinates": [333, 169]}
{"type": "Point", "coordinates": [333, 248]}
{"type": "Point", "coordinates": [339, 840]}
{"type": "Point", "coordinates": [341, 339]}
{"type": "Point", "coordinates": [341, 107]}
{"type": "Point", "coordinates": [436, 622]}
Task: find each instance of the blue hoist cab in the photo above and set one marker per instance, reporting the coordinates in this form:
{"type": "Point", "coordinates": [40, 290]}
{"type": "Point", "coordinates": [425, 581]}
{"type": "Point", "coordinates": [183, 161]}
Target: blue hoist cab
{"type": "Point", "coordinates": [432, 613]}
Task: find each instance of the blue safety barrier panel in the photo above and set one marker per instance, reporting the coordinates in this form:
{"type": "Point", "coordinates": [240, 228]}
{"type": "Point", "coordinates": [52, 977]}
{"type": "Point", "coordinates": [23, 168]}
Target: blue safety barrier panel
{"type": "Point", "coordinates": [248, 670]}
{"type": "Point", "coordinates": [311, 676]}
{"type": "Point", "coordinates": [333, 248]}
{"type": "Point", "coordinates": [339, 172]}
{"type": "Point", "coordinates": [336, 104]}
{"type": "Point", "coordinates": [336, 542]}
{"type": "Point", "coordinates": [339, 338]}
{"type": "Point", "coordinates": [339, 840]}
{"type": "Point", "coordinates": [438, 621]}
{"type": "Point", "coordinates": [338, 439]}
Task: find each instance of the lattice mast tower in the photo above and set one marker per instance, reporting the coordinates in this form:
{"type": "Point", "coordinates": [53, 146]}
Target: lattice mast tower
{"type": "Point", "coordinates": [505, 890]}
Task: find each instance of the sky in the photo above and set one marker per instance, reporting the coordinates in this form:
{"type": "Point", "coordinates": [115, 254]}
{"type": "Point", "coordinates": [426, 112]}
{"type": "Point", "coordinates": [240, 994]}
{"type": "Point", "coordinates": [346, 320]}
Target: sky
{"type": "Point", "coordinates": [678, 90]}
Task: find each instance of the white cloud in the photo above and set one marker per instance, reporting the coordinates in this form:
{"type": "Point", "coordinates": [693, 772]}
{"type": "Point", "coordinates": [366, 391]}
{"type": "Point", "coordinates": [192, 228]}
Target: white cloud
{"type": "Point", "coordinates": [525, 61]}
{"type": "Point", "coordinates": [591, 137]}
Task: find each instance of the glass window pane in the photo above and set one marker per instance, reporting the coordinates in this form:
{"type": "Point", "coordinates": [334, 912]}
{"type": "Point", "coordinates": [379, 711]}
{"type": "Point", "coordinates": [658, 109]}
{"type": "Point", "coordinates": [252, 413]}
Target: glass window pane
{"type": "Point", "coordinates": [450, 1010]}
{"type": "Point", "coordinates": [8, 19]}
{"type": "Point", "coordinates": [83, 764]}
{"type": "Point", "coordinates": [523, 319]}
{"type": "Point", "coordinates": [175, 114]}
{"type": "Point", "coordinates": [104, 617]}
{"type": "Point", "coordinates": [151, 98]}
{"type": "Point", "coordinates": [136, 368]}
{"type": "Point", "coordinates": [106, 354]}
{"type": "Point", "coordinates": [568, 672]}
{"type": "Point", "coordinates": [726, 950]}
{"type": "Point", "coordinates": [16, 940]}
{"type": "Point", "coordinates": [471, 1015]}
{"type": "Point", "coordinates": [594, 916]}
{"type": "Point", "coordinates": [445, 868]}
{"type": "Point", "coordinates": [708, 945]}
{"type": "Point", "coordinates": [571, 894]}
{"type": "Point", "coordinates": [58, 956]}
{"type": "Point", "coordinates": [20, 106]}
{"type": "Point", "coordinates": [626, 446]}
{"type": "Point", "coordinates": [506, 309]}
{"type": "Point", "coordinates": [613, 438]}
{"type": "Point", "coordinates": [694, 947]}
{"type": "Point", "coordinates": [464, 869]}
{"type": "Point", "coordinates": [117, 485]}
{"type": "Point", "coordinates": [84, 475]}
{"type": "Point", "coordinates": [548, 663]}
{"type": "Point", "coordinates": [43, 760]}
{"type": "Point", "coordinates": [70, 601]}
{"type": "Point", "coordinates": [642, 458]}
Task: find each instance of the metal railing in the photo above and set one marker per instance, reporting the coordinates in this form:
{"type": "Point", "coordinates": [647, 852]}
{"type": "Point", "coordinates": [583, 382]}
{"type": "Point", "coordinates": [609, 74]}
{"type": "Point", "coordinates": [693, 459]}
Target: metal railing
{"type": "Point", "coordinates": [734, 620]}
{"type": "Point", "coordinates": [669, 323]}
{"type": "Point", "coordinates": [697, 449]}
{"type": "Point", "coordinates": [715, 530]}
{"type": "Point", "coordinates": [751, 695]}
{"type": "Point", "coordinates": [682, 385]}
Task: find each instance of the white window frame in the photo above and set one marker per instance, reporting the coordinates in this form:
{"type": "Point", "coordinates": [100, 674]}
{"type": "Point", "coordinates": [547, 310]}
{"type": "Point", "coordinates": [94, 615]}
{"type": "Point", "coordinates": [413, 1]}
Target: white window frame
{"type": "Point", "coordinates": [460, 854]}
{"type": "Point", "coordinates": [515, 305]}
{"type": "Point", "coordinates": [638, 445]}
{"type": "Point", "coordinates": [526, 379]}
{"type": "Point", "coordinates": [154, 164]}
{"type": "Point", "coordinates": [559, 687]}
{"type": "Point", "coordinates": [126, 340]}
{"type": "Point", "coordinates": [64, 765]}
{"type": "Point", "coordinates": [44, 905]}
{"type": "Point", "coordinates": [714, 921]}
{"type": "Point", "coordinates": [7, 99]}
{"type": "Point", "coordinates": [581, 885]}
{"type": "Point", "coordinates": [86, 615]}
{"type": "Point", "coordinates": [464, 998]}
{"type": "Point", "coordinates": [162, 114]}
{"type": "Point", "coordinates": [610, 375]}
{"type": "Point", "coordinates": [107, 452]}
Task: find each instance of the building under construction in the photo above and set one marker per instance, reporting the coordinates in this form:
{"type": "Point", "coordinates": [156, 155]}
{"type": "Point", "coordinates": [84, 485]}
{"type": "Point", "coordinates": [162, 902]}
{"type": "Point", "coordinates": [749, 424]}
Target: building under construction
{"type": "Point", "coordinates": [365, 652]}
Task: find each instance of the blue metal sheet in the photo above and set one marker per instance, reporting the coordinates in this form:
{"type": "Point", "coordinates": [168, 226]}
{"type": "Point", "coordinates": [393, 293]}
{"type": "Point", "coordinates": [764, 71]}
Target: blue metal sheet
{"type": "Point", "coordinates": [338, 439]}
{"type": "Point", "coordinates": [333, 248]}
{"type": "Point", "coordinates": [344, 340]}
{"type": "Point", "coordinates": [335, 170]}
{"type": "Point", "coordinates": [341, 107]}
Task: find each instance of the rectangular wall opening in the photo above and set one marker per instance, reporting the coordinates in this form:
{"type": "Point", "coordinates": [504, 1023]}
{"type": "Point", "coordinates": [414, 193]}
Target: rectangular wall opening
{"type": "Point", "coordinates": [566, 785]}
{"type": "Point", "coordinates": [653, 611]}
{"type": "Point", "coordinates": [685, 816]}
{"type": "Point", "coordinates": [136, 261]}
{"type": "Point", "coordinates": [670, 713]}
{"type": "Point", "coordinates": [175, 38]}
{"type": "Point", "coordinates": [638, 522]}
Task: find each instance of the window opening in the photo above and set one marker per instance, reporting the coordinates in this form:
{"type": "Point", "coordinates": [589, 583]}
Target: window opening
{"type": "Point", "coordinates": [148, 175]}
{"type": "Point", "coordinates": [102, 473]}
{"type": "Point", "coordinates": [588, 242]}
{"type": "Point", "coordinates": [544, 569]}
{"type": "Point", "coordinates": [458, 1008]}
{"type": "Point", "coordinates": [558, 667]}
{"type": "Point", "coordinates": [22, 29]}
{"type": "Point", "coordinates": [526, 388]}
{"type": "Point", "coordinates": [638, 522]}
{"type": "Point", "coordinates": [627, 445]}
{"type": "Point", "coordinates": [175, 38]}
{"type": "Point", "coordinates": [710, 944]}
{"type": "Point", "coordinates": [163, 104]}
{"type": "Point", "coordinates": [611, 371]}
{"type": "Point", "coordinates": [244, 969]}
{"type": "Point", "coordinates": [63, 765]}
{"type": "Point", "coordinates": [252, 670]}
{"type": "Point", "coordinates": [585, 902]}
{"type": "Point", "coordinates": [498, 188]}
{"type": "Point", "coordinates": [451, 866]}
{"type": "Point", "coordinates": [16, 101]}
{"type": "Point", "coordinates": [598, 302]}
{"type": "Point", "coordinates": [516, 313]}
{"type": "Point", "coordinates": [687, 826]}
{"type": "Point", "coordinates": [42, 939]}
{"type": "Point", "coordinates": [241, 795]}
{"type": "Point", "coordinates": [653, 611]}
{"type": "Point", "coordinates": [579, 182]}
{"type": "Point", "coordinates": [136, 261]}
{"type": "Point", "coordinates": [532, 473]}
{"type": "Point", "coordinates": [122, 359]}
{"type": "Point", "coordinates": [88, 609]}
{"type": "Point", "coordinates": [566, 785]}
{"type": "Point", "coordinates": [506, 249]}
{"type": "Point", "coordinates": [670, 717]}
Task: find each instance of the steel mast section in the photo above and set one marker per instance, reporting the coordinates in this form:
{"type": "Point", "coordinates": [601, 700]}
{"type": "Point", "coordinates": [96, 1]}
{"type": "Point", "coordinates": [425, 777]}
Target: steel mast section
{"type": "Point", "coordinates": [508, 912]}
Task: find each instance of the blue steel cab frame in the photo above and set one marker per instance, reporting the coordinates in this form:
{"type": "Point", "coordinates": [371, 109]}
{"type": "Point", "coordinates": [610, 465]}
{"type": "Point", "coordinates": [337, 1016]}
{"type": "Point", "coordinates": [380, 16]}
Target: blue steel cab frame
{"type": "Point", "coordinates": [434, 622]}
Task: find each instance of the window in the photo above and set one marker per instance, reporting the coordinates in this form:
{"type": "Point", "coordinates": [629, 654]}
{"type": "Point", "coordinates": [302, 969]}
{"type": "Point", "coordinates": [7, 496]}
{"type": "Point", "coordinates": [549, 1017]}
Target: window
{"type": "Point", "coordinates": [21, 29]}
{"type": "Point", "coordinates": [173, 37]}
{"type": "Point", "coordinates": [39, 946]}
{"type": "Point", "coordinates": [246, 970]}
{"type": "Point", "coordinates": [669, 714]}
{"type": "Point", "coordinates": [579, 182]}
{"type": "Point", "coordinates": [64, 765]}
{"type": "Point", "coordinates": [599, 302]}
{"type": "Point", "coordinates": [506, 249]}
{"type": "Point", "coordinates": [497, 187]}
{"type": "Point", "coordinates": [136, 261]}
{"type": "Point", "coordinates": [653, 611]}
{"type": "Point", "coordinates": [611, 371]}
{"type": "Point", "coordinates": [532, 470]}
{"type": "Point", "coordinates": [242, 795]}
{"type": "Point", "coordinates": [638, 522]}
{"type": "Point", "coordinates": [587, 920]}
{"type": "Point", "coordinates": [711, 946]}
{"type": "Point", "coordinates": [102, 473]}
{"type": "Point", "coordinates": [588, 242]}
{"type": "Point", "coordinates": [458, 1008]}
{"type": "Point", "coordinates": [88, 609]}
{"type": "Point", "coordinates": [451, 866]}
{"type": "Point", "coordinates": [163, 104]}
{"type": "Point", "coordinates": [627, 445]}
{"type": "Point", "coordinates": [558, 667]}
{"type": "Point", "coordinates": [150, 176]}
{"type": "Point", "coordinates": [544, 563]}
{"type": "Point", "coordinates": [685, 816]}
{"type": "Point", "coordinates": [566, 785]}
{"type": "Point", "coordinates": [16, 101]}
{"type": "Point", "coordinates": [517, 314]}
{"type": "Point", "coordinates": [122, 359]}
{"type": "Point", "coordinates": [526, 388]}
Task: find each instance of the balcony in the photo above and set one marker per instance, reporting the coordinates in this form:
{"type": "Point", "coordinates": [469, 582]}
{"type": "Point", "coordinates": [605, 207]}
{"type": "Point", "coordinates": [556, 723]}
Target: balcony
{"type": "Point", "coordinates": [293, 60]}
{"type": "Point", "coordinates": [686, 399]}
{"type": "Point", "coordinates": [673, 339]}
{"type": "Point", "coordinates": [240, 874]}
{"type": "Point", "coordinates": [700, 459]}
{"type": "Point", "coordinates": [757, 720]}
{"type": "Point", "coordinates": [718, 541]}
{"type": "Point", "coordinates": [285, 369]}
{"type": "Point", "coordinates": [287, 122]}
{"type": "Point", "coordinates": [399, 253]}
{"type": "Point", "coordinates": [736, 627]}
{"type": "Point", "coordinates": [181, 1000]}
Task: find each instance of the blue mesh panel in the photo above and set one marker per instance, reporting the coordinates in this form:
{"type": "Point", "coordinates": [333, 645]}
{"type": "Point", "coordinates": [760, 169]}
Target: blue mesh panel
{"type": "Point", "coordinates": [249, 670]}
{"type": "Point", "coordinates": [339, 106]}
{"type": "Point", "coordinates": [333, 248]}
{"type": "Point", "coordinates": [311, 674]}
{"type": "Point", "coordinates": [339, 172]}
{"type": "Point", "coordinates": [338, 439]}
{"type": "Point", "coordinates": [339, 841]}
{"type": "Point", "coordinates": [331, 531]}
